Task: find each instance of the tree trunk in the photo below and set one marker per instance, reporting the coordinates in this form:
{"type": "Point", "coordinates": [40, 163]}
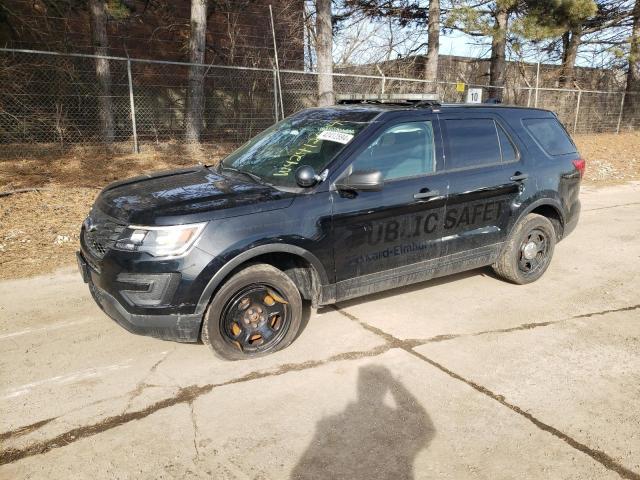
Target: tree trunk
{"type": "Point", "coordinates": [632, 99]}
{"type": "Point", "coordinates": [195, 93]}
{"type": "Point", "coordinates": [103, 72]}
{"type": "Point", "coordinates": [570, 42]}
{"type": "Point", "coordinates": [324, 58]}
{"type": "Point", "coordinates": [498, 54]}
{"type": "Point", "coordinates": [431, 66]}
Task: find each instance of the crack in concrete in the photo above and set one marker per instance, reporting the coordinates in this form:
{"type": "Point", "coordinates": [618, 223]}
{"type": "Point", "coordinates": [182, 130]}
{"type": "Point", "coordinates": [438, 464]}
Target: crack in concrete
{"type": "Point", "coordinates": [605, 312]}
{"type": "Point", "coordinates": [184, 395]}
{"type": "Point", "coordinates": [195, 432]}
{"type": "Point", "coordinates": [142, 385]}
{"type": "Point", "coordinates": [611, 206]}
{"type": "Point", "coordinates": [453, 336]}
{"type": "Point", "coordinates": [523, 326]}
{"type": "Point", "coordinates": [598, 455]}
{"type": "Point", "coordinates": [190, 393]}
{"type": "Point", "coordinates": [408, 346]}
{"type": "Point", "coordinates": [26, 429]}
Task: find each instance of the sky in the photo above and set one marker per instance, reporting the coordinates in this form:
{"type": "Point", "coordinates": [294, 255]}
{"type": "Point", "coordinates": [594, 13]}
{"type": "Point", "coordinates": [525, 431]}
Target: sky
{"type": "Point", "coordinates": [457, 43]}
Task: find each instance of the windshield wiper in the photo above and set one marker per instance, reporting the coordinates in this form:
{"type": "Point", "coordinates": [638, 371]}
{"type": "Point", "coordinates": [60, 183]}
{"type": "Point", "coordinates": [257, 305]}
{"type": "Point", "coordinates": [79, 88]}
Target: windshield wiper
{"type": "Point", "coordinates": [252, 176]}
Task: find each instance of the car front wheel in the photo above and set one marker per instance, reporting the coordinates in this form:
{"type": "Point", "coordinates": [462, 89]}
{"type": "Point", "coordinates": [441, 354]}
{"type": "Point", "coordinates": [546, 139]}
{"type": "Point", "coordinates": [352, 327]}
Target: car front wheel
{"type": "Point", "coordinates": [256, 312]}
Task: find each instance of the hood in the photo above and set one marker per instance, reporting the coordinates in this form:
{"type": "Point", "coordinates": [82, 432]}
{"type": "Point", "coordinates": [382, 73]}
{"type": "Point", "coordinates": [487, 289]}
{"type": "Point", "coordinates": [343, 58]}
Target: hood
{"type": "Point", "coordinates": [187, 196]}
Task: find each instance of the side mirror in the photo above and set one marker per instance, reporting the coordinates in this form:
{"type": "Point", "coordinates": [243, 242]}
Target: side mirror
{"type": "Point", "coordinates": [306, 176]}
{"type": "Point", "coordinates": [362, 181]}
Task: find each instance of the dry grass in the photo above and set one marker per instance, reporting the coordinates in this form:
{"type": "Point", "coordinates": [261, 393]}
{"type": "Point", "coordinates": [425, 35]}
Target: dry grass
{"type": "Point", "coordinates": [610, 158]}
{"type": "Point", "coordinates": [39, 230]}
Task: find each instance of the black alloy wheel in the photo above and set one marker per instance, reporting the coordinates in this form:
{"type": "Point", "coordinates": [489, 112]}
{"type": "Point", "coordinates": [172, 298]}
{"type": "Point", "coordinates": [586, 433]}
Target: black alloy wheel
{"type": "Point", "coordinates": [255, 318]}
{"type": "Point", "coordinates": [528, 251]}
{"type": "Point", "coordinates": [534, 251]}
{"type": "Point", "coordinates": [257, 311]}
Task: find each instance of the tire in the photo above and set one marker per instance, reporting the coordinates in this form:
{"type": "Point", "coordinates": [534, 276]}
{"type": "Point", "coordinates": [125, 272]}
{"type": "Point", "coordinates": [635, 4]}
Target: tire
{"type": "Point", "coordinates": [514, 264]}
{"type": "Point", "coordinates": [244, 319]}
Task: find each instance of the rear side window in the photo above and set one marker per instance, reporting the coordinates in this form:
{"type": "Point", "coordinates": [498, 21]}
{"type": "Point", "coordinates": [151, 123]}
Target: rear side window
{"type": "Point", "coordinates": [472, 142]}
{"type": "Point", "coordinates": [509, 152]}
{"type": "Point", "coordinates": [551, 136]}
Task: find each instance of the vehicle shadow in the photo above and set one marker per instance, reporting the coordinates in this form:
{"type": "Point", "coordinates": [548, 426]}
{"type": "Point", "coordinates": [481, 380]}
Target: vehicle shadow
{"type": "Point", "coordinates": [369, 439]}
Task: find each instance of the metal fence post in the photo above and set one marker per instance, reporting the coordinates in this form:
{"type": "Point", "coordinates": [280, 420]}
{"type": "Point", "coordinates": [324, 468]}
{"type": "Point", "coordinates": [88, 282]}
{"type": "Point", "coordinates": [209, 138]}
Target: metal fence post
{"type": "Point", "coordinates": [575, 119]}
{"type": "Point", "coordinates": [382, 83]}
{"type": "Point", "coordinates": [133, 110]}
{"type": "Point", "coordinates": [275, 93]}
{"type": "Point", "coordinates": [275, 54]}
{"type": "Point", "coordinates": [620, 114]}
{"type": "Point", "coordinates": [537, 84]}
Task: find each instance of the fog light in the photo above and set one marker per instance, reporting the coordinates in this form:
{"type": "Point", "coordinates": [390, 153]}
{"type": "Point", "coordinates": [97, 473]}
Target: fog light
{"type": "Point", "coordinates": [148, 290]}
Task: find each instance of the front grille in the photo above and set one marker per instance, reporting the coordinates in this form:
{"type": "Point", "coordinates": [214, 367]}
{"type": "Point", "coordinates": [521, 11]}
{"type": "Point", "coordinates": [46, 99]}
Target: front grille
{"type": "Point", "coordinates": [100, 232]}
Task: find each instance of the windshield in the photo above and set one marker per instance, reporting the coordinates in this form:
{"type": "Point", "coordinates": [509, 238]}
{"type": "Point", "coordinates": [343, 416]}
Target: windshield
{"type": "Point", "coordinates": [312, 137]}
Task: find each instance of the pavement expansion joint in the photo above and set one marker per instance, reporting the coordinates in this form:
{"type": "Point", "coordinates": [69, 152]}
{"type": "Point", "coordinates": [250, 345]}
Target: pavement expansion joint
{"type": "Point", "coordinates": [408, 345]}
{"type": "Point", "coordinates": [187, 395]}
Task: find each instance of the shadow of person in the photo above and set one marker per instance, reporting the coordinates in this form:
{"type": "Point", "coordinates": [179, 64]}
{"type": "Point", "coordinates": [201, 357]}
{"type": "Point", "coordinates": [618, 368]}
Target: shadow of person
{"type": "Point", "coordinates": [370, 439]}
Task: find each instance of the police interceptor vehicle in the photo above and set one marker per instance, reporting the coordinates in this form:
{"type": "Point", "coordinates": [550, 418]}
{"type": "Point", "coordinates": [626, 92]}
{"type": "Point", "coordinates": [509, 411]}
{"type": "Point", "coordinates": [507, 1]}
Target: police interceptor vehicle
{"type": "Point", "coordinates": [327, 205]}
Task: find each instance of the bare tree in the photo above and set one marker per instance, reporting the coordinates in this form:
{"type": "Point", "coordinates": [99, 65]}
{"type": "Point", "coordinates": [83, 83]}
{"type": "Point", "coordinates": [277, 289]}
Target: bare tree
{"type": "Point", "coordinates": [498, 51]}
{"type": "Point", "coordinates": [363, 40]}
{"type": "Point", "coordinates": [632, 101]}
{"type": "Point", "coordinates": [433, 42]}
{"type": "Point", "coordinates": [324, 42]}
{"type": "Point", "coordinates": [571, 40]}
{"type": "Point", "coordinates": [195, 93]}
{"type": "Point", "coordinates": [100, 42]}
{"type": "Point", "coordinates": [406, 14]}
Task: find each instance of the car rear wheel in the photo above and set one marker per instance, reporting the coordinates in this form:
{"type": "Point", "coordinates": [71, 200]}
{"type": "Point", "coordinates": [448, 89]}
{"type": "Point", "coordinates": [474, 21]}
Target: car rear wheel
{"type": "Point", "coordinates": [256, 312]}
{"type": "Point", "coordinates": [528, 251]}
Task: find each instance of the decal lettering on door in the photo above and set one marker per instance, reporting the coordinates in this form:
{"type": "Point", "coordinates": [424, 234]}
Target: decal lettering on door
{"type": "Point", "coordinates": [409, 234]}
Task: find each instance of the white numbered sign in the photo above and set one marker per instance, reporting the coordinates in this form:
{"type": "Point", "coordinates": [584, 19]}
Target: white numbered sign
{"type": "Point", "coordinates": [474, 95]}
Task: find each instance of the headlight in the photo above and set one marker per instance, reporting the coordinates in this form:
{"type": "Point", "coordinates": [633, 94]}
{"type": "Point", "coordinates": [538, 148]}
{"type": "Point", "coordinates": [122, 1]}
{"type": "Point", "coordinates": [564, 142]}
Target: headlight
{"type": "Point", "coordinates": [160, 241]}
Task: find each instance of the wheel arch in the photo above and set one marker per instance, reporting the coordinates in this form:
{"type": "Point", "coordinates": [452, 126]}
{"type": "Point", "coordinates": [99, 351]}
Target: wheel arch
{"type": "Point", "coordinates": [549, 208]}
{"type": "Point", "coordinates": [303, 267]}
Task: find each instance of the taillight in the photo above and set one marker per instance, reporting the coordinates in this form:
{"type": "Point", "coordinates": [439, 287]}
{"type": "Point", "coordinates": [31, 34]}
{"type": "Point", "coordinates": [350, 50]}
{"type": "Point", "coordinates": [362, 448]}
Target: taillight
{"type": "Point", "coordinates": [580, 165]}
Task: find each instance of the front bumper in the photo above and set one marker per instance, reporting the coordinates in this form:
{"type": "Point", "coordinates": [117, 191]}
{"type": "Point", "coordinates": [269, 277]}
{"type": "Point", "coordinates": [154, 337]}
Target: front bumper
{"type": "Point", "coordinates": [177, 327]}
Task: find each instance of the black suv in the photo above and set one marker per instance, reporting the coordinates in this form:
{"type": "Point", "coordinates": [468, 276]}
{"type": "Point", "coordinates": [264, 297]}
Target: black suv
{"type": "Point", "coordinates": [330, 204]}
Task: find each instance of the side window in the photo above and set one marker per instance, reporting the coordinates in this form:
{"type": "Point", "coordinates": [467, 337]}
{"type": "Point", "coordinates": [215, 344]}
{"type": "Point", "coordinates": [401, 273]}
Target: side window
{"type": "Point", "coordinates": [404, 150]}
{"type": "Point", "coordinates": [551, 136]}
{"type": "Point", "coordinates": [509, 152]}
{"type": "Point", "coordinates": [472, 142]}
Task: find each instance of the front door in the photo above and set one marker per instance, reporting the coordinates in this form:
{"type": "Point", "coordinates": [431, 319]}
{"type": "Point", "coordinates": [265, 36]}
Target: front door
{"type": "Point", "coordinates": [388, 238]}
{"type": "Point", "coordinates": [486, 177]}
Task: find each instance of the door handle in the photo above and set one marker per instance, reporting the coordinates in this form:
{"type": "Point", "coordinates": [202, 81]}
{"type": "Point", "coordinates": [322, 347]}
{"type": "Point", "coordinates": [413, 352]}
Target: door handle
{"type": "Point", "coordinates": [518, 177]}
{"type": "Point", "coordinates": [427, 194]}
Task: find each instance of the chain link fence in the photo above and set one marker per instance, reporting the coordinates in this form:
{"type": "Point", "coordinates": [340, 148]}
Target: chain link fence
{"type": "Point", "coordinates": [51, 101]}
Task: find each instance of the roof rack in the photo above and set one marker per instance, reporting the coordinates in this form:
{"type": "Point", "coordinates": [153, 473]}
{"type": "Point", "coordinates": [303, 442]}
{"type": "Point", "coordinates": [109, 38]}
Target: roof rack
{"type": "Point", "coordinates": [417, 100]}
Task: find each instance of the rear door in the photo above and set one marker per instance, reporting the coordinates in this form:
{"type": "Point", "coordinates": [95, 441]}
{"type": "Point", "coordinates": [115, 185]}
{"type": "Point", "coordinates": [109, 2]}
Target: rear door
{"type": "Point", "coordinates": [486, 177]}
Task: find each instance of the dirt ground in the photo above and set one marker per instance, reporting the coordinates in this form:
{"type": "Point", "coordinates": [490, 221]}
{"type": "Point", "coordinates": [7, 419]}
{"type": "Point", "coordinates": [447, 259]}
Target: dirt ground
{"type": "Point", "coordinates": [538, 381]}
{"type": "Point", "coordinates": [39, 229]}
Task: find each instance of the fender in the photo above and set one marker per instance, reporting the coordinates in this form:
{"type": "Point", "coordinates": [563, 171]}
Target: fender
{"type": "Point", "coordinates": [547, 201]}
{"type": "Point", "coordinates": [228, 267]}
